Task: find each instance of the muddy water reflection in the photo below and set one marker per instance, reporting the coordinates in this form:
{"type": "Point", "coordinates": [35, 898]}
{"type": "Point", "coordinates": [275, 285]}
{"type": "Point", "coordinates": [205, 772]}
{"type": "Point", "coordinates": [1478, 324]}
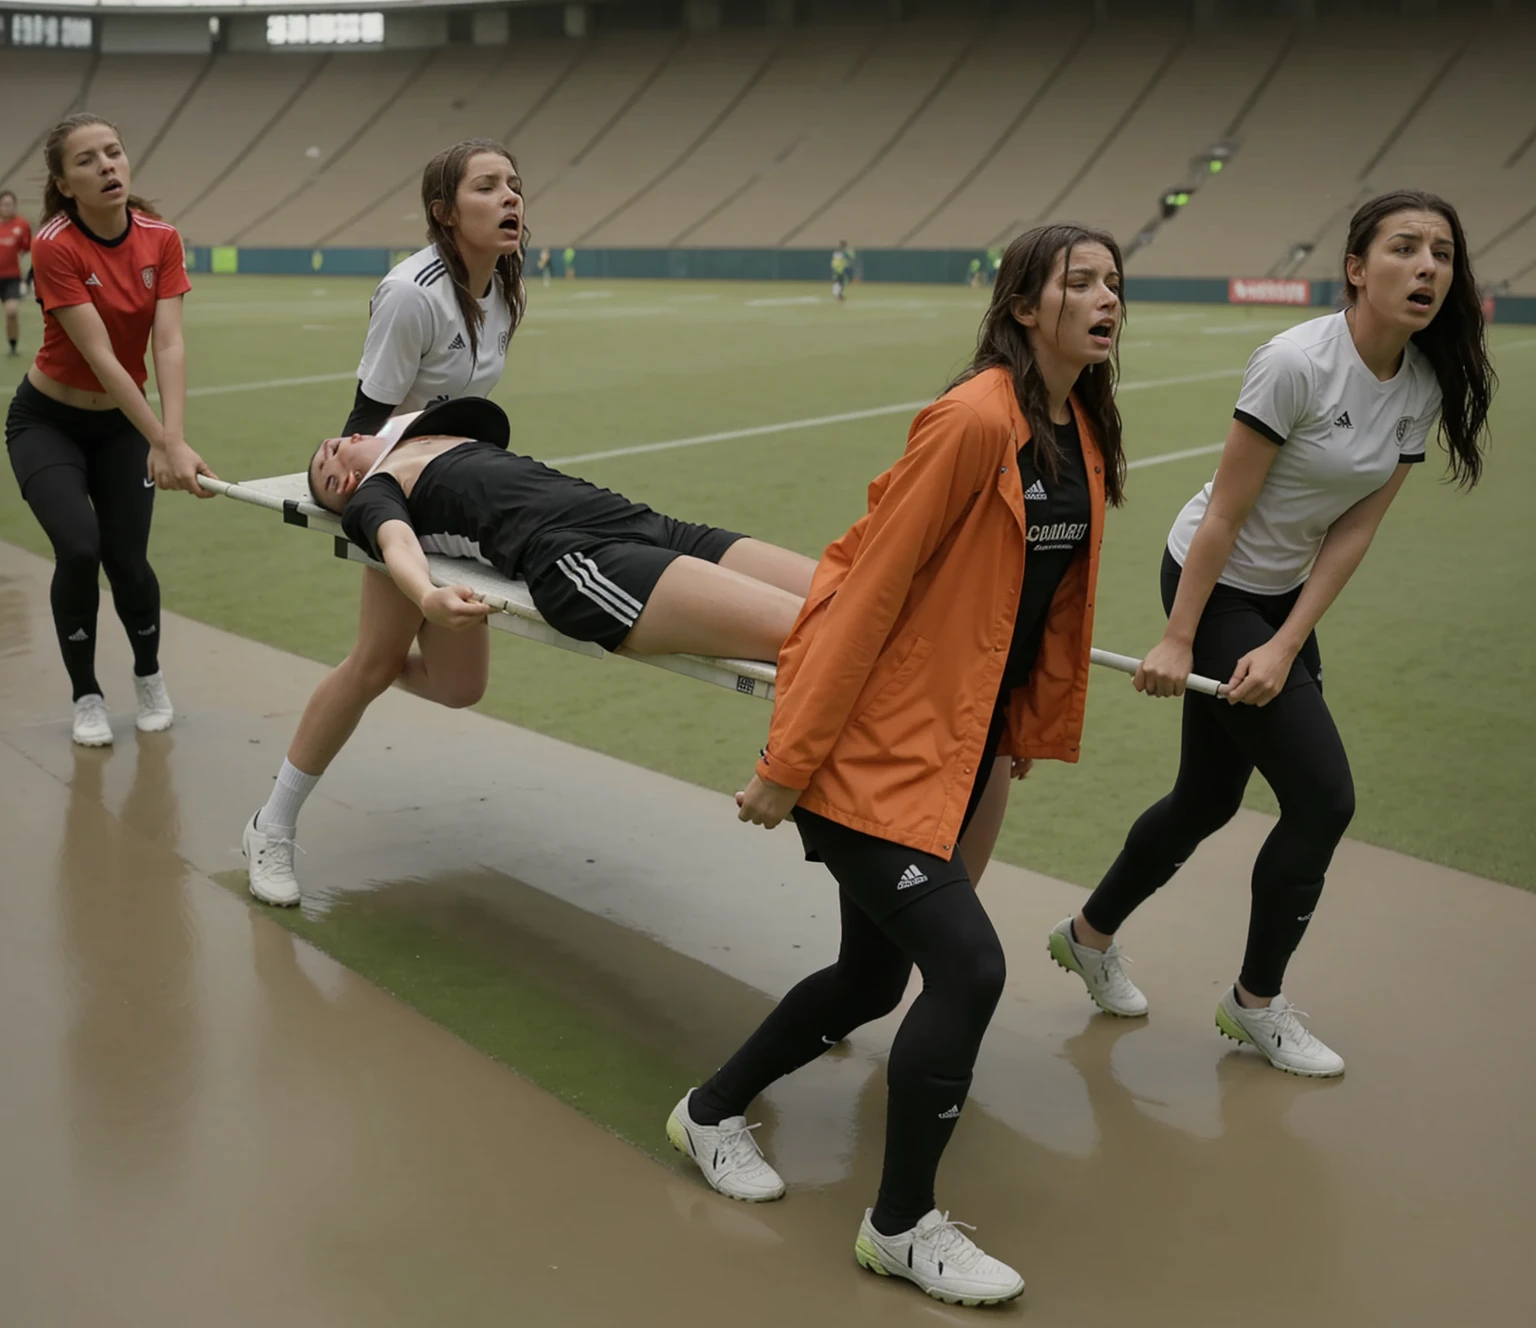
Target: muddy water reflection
{"type": "Point", "coordinates": [134, 1047]}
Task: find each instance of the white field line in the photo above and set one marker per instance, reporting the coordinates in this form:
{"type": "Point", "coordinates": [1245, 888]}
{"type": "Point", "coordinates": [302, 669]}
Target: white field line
{"type": "Point", "coordinates": [849, 417]}
{"type": "Point", "coordinates": [1514, 345]}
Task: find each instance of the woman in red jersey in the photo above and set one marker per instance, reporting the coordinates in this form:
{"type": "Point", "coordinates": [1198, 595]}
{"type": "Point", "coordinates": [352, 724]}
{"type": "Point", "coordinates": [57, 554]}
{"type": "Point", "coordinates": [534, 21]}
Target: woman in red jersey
{"type": "Point", "coordinates": [87, 450]}
{"type": "Point", "coordinates": [15, 240]}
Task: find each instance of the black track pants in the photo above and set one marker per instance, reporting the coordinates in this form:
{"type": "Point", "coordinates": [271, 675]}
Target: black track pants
{"type": "Point", "coordinates": [899, 908]}
{"type": "Point", "coordinates": [1292, 742]}
{"type": "Point", "coordinates": [83, 474]}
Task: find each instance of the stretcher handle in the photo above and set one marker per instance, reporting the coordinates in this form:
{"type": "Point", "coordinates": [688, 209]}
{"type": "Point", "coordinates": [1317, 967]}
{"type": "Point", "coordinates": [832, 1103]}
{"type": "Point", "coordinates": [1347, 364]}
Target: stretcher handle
{"type": "Point", "coordinates": [1127, 664]}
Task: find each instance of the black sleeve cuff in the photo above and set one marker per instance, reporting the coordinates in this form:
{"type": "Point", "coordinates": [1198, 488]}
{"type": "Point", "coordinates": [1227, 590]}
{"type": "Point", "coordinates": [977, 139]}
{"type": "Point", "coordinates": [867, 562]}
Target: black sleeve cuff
{"type": "Point", "coordinates": [1258, 426]}
{"type": "Point", "coordinates": [368, 416]}
{"type": "Point", "coordinates": [1410, 460]}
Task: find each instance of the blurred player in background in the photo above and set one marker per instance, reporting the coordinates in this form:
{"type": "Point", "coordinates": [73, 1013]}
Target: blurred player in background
{"type": "Point", "coordinates": [842, 270]}
{"type": "Point", "coordinates": [15, 240]}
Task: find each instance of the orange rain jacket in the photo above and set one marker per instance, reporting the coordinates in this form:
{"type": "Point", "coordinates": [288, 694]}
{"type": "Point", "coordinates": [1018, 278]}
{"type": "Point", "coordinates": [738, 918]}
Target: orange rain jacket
{"type": "Point", "coordinates": [887, 681]}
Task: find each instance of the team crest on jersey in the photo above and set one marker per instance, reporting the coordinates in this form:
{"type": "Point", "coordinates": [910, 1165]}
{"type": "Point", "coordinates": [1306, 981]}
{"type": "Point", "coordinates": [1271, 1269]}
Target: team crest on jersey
{"type": "Point", "coordinates": [1403, 425]}
{"type": "Point", "coordinates": [148, 276]}
{"type": "Point", "coordinates": [501, 344]}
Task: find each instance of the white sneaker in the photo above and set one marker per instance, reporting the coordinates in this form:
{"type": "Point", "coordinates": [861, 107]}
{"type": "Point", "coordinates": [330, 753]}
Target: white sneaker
{"type": "Point", "coordinates": [726, 1153]}
{"type": "Point", "coordinates": [270, 869]}
{"type": "Point", "coordinates": [939, 1258]}
{"type": "Point", "coordinates": [1277, 1032]}
{"type": "Point", "coordinates": [1112, 991]}
{"type": "Point", "coordinates": [92, 728]}
{"type": "Point", "coordinates": [155, 713]}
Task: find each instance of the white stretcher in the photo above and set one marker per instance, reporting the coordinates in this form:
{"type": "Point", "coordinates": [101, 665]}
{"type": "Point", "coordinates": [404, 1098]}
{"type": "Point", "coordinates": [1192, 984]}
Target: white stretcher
{"type": "Point", "coordinates": [289, 496]}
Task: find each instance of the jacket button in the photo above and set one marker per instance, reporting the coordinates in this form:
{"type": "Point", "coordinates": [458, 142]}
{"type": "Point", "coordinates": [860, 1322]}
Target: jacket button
{"type": "Point", "coordinates": [1096, 470]}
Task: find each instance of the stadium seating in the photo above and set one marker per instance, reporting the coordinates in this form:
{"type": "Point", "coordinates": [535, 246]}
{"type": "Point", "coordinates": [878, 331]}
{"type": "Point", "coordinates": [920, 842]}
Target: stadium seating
{"type": "Point", "coordinates": [934, 132]}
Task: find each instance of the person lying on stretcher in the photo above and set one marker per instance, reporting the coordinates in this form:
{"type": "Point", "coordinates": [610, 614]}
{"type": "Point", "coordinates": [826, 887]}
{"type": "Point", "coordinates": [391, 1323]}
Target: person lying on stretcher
{"type": "Point", "coordinates": [598, 567]}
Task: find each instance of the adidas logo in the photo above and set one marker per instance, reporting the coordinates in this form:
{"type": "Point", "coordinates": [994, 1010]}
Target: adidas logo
{"type": "Point", "coordinates": [93, 280]}
{"type": "Point", "coordinates": [458, 342]}
{"type": "Point", "coordinates": [80, 634]}
{"type": "Point", "coordinates": [951, 1114]}
{"type": "Point", "coordinates": [910, 877]}
{"type": "Point", "coordinates": [147, 631]}
{"type": "Point", "coordinates": [1343, 422]}
{"type": "Point", "coordinates": [1035, 493]}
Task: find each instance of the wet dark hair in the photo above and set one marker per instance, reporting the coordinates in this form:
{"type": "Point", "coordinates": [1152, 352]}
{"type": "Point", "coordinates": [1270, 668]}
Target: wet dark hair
{"type": "Point", "coordinates": [1027, 265]}
{"type": "Point", "coordinates": [440, 183]}
{"type": "Point", "coordinates": [54, 200]}
{"type": "Point", "coordinates": [1454, 343]}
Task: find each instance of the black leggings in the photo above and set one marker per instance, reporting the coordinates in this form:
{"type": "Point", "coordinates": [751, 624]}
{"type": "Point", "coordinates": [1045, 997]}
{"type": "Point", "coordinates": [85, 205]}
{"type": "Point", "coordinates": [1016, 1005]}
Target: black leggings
{"type": "Point", "coordinates": [1292, 742]}
{"type": "Point", "coordinates": [84, 475]}
{"type": "Point", "coordinates": [899, 908]}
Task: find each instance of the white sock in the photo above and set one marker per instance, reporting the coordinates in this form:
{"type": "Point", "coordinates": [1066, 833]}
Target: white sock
{"type": "Point", "coordinates": [287, 800]}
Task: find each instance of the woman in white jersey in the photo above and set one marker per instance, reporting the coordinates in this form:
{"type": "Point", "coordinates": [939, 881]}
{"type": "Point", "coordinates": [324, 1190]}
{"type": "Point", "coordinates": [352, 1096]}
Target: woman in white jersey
{"type": "Point", "coordinates": [438, 328]}
{"type": "Point", "coordinates": [430, 340]}
{"type": "Point", "coordinates": [1331, 417]}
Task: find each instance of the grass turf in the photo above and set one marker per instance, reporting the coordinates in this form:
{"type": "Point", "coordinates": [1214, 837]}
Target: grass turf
{"type": "Point", "coordinates": [1429, 651]}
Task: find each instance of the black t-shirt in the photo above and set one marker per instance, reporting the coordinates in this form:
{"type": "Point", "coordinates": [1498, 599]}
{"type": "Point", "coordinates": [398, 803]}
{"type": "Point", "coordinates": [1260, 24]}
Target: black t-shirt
{"type": "Point", "coordinates": [477, 500]}
{"type": "Point", "coordinates": [1057, 513]}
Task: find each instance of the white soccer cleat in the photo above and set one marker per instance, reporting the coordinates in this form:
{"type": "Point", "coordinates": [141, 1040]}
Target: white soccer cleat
{"type": "Point", "coordinates": [726, 1153]}
{"type": "Point", "coordinates": [1101, 972]}
{"type": "Point", "coordinates": [940, 1259]}
{"type": "Point", "coordinates": [91, 727]}
{"type": "Point", "coordinates": [1277, 1032]}
{"type": "Point", "coordinates": [269, 866]}
{"type": "Point", "coordinates": [155, 712]}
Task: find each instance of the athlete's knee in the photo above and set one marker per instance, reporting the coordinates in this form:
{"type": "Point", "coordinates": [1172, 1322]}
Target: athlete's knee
{"type": "Point", "coordinates": [987, 973]}
{"type": "Point", "coordinates": [972, 975]}
{"type": "Point", "coordinates": [369, 675]}
{"type": "Point", "coordinates": [1324, 801]}
{"type": "Point", "coordinates": [77, 551]}
{"type": "Point", "coordinates": [129, 574]}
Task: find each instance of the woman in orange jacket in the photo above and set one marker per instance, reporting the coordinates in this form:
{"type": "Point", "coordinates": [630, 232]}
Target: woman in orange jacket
{"type": "Point", "coordinates": [943, 646]}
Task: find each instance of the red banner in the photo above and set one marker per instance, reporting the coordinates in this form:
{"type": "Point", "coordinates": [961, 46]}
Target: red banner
{"type": "Point", "coordinates": [1268, 290]}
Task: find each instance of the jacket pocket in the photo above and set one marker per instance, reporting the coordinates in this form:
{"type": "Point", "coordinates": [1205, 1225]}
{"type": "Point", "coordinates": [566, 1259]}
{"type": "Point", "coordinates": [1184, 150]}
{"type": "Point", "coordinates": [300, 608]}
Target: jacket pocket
{"type": "Point", "coordinates": [892, 694]}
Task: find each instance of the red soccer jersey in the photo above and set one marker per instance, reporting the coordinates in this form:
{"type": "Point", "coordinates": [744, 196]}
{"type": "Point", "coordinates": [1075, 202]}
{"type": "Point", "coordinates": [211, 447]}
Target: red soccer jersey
{"type": "Point", "coordinates": [124, 278]}
{"type": "Point", "coordinates": [15, 240]}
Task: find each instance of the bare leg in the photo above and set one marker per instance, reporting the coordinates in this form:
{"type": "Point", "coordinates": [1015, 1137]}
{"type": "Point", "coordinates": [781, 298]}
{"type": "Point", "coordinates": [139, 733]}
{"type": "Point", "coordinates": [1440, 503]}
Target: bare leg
{"type": "Point", "coordinates": [451, 669]}
{"type": "Point", "coordinates": [700, 609]}
{"type": "Point", "coordinates": [980, 837]}
{"type": "Point", "coordinates": [768, 562]}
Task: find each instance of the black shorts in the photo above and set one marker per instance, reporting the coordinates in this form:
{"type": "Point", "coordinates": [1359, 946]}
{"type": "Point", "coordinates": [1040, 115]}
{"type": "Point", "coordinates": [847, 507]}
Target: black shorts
{"type": "Point", "coordinates": [592, 582]}
{"type": "Point", "coordinates": [40, 432]}
{"type": "Point", "coordinates": [10, 288]}
{"type": "Point", "coordinates": [1237, 621]}
{"type": "Point", "coordinates": [880, 875]}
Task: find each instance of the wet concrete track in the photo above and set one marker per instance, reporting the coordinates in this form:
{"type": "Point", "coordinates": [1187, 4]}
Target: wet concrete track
{"type": "Point", "coordinates": [209, 1122]}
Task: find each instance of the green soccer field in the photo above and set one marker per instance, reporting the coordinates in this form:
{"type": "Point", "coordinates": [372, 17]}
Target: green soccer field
{"type": "Point", "coordinates": [1429, 652]}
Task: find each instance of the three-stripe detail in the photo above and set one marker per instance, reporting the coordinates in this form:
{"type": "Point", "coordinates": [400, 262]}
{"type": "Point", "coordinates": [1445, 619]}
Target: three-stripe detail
{"type": "Point", "coordinates": [613, 599]}
{"type": "Point", "coordinates": [430, 273]}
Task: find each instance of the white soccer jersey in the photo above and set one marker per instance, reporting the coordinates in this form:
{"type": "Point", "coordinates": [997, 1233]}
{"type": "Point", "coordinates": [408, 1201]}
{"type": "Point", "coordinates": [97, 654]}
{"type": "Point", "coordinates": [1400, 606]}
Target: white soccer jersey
{"type": "Point", "coordinates": [1341, 434]}
{"type": "Point", "coordinates": [417, 351]}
